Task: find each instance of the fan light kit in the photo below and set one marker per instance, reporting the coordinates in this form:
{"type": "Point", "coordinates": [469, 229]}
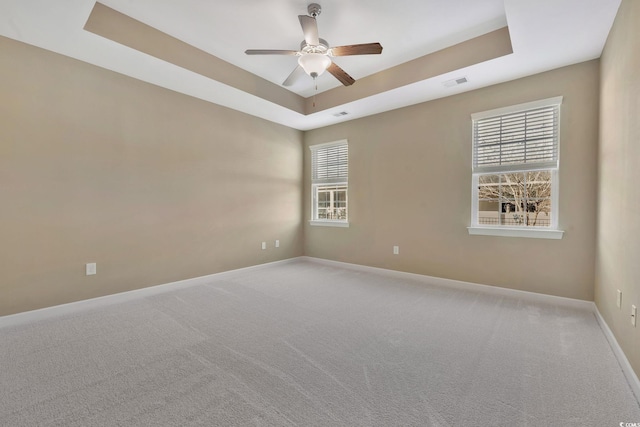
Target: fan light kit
{"type": "Point", "coordinates": [314, 64]}
{"type": "Point", "coordinates": [314, 56]}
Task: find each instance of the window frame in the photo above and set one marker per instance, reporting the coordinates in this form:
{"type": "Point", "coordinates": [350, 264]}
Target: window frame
{"type": "Point", "coordinates": [544, 232]}
{"type": "Point", "coordinates": [341, 179]}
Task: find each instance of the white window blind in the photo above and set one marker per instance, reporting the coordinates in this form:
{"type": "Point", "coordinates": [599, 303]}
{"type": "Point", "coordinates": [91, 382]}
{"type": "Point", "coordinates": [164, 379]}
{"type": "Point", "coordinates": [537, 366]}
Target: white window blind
{"type": "Point", "coordinates": [516, 140]}
{"type": "Point", "coordinates": [330, 162]}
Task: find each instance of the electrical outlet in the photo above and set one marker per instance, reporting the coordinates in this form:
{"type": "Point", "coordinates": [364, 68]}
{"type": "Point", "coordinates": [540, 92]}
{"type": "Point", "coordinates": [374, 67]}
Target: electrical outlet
{"type": "Point", "coordinates": [634, 314]}
{"type": "Point", "coordinates": [91, 268]}
{"type": "Point", "coordinates": [277, 243]}
{"type": "Point", "coordinates": [264, 245]}
{"type": "Point", "coordinates": [619, 299]}
{"type": "Point", "coordinates": [396, 250]}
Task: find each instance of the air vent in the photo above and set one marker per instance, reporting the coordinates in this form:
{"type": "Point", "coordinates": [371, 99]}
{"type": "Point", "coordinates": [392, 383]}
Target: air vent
{"type": "Point", "coordinates": [340, 114]}
{"type": "Point", "coordinates": [455, 82]}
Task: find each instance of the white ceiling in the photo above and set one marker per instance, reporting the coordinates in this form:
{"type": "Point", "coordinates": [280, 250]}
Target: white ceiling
{"type": "Point", "coordinates": [545, 34]}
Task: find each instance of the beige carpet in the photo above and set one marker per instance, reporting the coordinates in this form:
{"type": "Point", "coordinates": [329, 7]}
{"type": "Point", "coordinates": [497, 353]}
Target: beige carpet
{"type": "Point", "coordinates": [307, 344]}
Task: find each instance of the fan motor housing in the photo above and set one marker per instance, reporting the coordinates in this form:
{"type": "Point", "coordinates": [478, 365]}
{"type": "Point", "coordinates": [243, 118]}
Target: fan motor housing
{"type": "Point", "coordinates": [323, 47]}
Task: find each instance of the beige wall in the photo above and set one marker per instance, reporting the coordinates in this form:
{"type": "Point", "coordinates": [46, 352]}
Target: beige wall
{"type": "Point", "coordinates": [155, 186]}
{"type": "Point", "coordinates": [618, 244]}
{"type": "Point", "coordinates": [410, 185]}
{"type": "Point", "coordinates": [152, 185]}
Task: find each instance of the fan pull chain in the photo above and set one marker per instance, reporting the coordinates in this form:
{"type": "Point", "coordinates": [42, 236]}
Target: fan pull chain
{"type": "Point", "coordinates": [315, 82]}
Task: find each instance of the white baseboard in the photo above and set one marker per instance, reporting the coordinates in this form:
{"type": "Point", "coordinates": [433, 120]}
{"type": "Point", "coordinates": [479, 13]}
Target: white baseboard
{"type": "Point", "coordinates": [457, 284]}
{"type": "Point", "coordinates": [82, 305]}
{"type": "Point", "coordinates": [627, 370]}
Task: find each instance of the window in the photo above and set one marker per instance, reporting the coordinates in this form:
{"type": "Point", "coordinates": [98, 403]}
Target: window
{"type": "Point", "coordinates": [329, 176]}
{"type": "Point", "coordinates": [515, 170]}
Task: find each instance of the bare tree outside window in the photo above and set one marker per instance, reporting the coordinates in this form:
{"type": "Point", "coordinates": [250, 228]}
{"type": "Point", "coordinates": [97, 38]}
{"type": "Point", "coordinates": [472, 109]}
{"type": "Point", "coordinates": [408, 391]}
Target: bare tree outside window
{"type": "Point", "coordinates": [517, 198]}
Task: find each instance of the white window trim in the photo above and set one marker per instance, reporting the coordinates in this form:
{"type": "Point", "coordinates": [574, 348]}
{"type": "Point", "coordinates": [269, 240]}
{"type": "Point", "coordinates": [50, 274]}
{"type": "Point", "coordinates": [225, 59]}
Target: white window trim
{"type": "Point", "coordinates": [328, 144]}
{"type": "Point", "coordinates": [551, 232]}
{"type": "Point", "coordinates": [515, 108]}
{"type": "Point", "coordinates": [536, 233]}
{"type": "Point", "coordinates": [327, 222]}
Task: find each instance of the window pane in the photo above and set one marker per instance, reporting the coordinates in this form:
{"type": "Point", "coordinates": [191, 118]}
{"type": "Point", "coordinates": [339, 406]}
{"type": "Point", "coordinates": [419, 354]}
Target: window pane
{"type": "Point", "coordinates": [340, 204]}
{"type": "Point", "coordinates": [521, 199]}
{"type": "Point", "coordinates": [538, 198]}
{"type": "Point", "coordinates": [513, 199]}
{"type": "Point", "coordinates": [324, 203]}
{"type": "Point", "coordinates": [489, 199]}
{"type": "Point", "coordinates": [331, 201]}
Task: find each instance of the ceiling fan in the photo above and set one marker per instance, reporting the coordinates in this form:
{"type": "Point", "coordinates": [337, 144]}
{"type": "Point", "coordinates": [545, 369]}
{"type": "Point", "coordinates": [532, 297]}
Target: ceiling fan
{"type": "Point", "coordinates": [314, 56]}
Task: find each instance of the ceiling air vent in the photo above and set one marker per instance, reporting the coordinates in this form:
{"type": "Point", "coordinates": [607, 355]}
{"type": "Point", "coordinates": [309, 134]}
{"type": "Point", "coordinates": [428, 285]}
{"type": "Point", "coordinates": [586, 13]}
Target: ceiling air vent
{"type": "Point", "coordinates": [340, 114]}
{"type": "Point", "coordinates": [455, 82]}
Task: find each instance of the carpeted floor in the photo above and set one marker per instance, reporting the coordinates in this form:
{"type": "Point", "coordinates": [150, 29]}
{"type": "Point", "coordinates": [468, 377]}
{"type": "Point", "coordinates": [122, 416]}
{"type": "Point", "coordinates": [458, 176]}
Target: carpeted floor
{"type": "Point", "coordinates": [307, 344]}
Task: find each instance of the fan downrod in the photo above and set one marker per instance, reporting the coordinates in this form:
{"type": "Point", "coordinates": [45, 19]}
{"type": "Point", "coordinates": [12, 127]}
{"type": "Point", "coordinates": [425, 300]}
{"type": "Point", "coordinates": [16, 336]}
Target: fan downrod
{"type": "Point", "coordinates": [314, 9]}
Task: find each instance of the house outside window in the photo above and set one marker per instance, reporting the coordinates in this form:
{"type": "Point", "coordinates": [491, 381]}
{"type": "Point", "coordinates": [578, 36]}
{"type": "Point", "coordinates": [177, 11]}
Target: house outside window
{"type": "Point", "coordinates": [515, 170]}
{"type": "Point", "coordinates": [329, 184]}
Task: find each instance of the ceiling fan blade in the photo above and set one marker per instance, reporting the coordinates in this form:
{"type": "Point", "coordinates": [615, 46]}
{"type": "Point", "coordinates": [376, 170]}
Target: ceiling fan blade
{"type": "Point", "coordinates": [357, 49]}
{"type": "Point", "coordinates": [295, 75]}
{"type": "Point", "coordinates": [340, 74]}
{"type": "Point", "coordinates": [310, 29]}
{"type": "Point", "coordinates": [270, 52]}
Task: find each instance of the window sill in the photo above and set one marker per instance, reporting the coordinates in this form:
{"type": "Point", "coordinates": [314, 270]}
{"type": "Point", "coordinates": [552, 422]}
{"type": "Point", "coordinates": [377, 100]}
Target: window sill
{"type": "Point", "coordinates": [334, 223]}
{"type": "Point", "coordinates": [516, 232]}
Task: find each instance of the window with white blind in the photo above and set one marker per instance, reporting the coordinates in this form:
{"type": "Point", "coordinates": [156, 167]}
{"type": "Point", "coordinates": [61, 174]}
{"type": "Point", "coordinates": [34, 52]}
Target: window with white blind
{"type": "Point", "coordinates": [515, 170]}
{"type": "Point", "coordinates": [329, 184]}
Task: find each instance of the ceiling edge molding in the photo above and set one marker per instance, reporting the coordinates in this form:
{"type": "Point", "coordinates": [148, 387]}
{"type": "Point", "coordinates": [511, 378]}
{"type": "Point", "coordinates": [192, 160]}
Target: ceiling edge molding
{"type": "Point", "coordinates": [120, 28]}
{"type": "Point", "coordinates": [492, 45]}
